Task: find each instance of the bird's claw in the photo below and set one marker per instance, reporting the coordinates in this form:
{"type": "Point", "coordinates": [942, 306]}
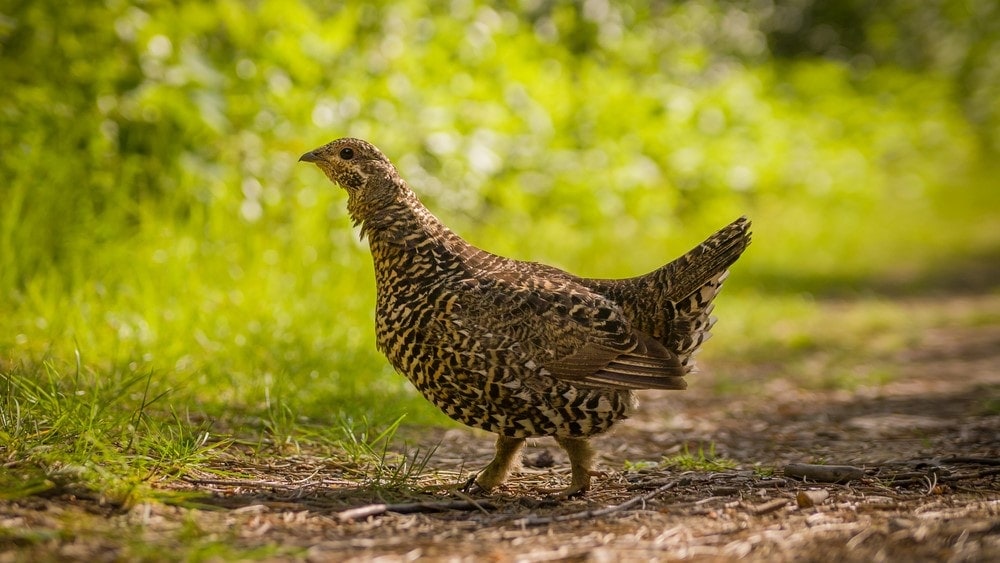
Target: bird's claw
{"type": "Point", "coordinates": [577, 488]}
{"type": "Point", "coordinates": [470, 486]}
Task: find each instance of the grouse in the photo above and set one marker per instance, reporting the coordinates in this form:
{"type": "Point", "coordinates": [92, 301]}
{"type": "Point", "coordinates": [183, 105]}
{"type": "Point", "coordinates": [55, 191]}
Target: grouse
{"type": "Point", "coordinates": [520, 348]}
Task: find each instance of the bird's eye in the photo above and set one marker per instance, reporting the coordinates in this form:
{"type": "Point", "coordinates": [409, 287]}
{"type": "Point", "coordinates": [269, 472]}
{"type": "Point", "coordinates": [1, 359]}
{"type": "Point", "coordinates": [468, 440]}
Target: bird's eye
{"type": "Point", "coordinates": [347, 154]}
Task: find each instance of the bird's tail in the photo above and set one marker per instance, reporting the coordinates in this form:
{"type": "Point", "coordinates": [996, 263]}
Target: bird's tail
{"type": "Point", "coordinates": [688, 275]}
{"type": "Point", "coordinates": [673, 304]}
{"type": "Point", "coordinates": [689, 285]}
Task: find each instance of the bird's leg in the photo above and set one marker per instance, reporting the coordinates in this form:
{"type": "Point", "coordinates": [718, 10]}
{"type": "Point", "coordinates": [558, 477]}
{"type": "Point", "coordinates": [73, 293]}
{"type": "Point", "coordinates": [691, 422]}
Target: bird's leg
{"type": "Point", "coordinates": [507, 458]}
{"type": "Point", "coordinates": [581, 458]}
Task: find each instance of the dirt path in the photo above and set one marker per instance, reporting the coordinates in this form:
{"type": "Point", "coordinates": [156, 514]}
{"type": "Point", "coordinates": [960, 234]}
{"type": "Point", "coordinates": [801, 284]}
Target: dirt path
{"type": "Point", "coordinates": [928, 440]}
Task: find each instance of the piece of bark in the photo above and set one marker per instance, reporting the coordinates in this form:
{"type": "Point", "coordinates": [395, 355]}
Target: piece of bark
{"type": "Point", "coordinates": [809, 499]}
{"type": "Point", "coordinates": [824, 473]}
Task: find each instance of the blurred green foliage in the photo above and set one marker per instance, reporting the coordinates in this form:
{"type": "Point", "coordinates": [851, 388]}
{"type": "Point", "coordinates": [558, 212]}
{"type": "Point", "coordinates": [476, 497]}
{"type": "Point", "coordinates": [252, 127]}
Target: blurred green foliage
{"type": "Point", "coordinates": [154, 217]}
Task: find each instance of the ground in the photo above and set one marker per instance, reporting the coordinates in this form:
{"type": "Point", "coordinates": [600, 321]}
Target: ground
{"type": "Point", "coordinates": [926, 435]}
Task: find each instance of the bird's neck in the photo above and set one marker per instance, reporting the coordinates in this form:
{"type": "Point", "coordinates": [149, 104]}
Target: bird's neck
{"type": "Point", "coordinates": [397, 220]}
{"type": "Point", "coordinates": [405, 234]}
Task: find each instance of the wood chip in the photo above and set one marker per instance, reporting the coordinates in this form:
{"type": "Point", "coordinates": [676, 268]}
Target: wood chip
{"type": "Point", "coordinates": [769, 506]}
{"type": "Point", "coordinates": [809, 499]}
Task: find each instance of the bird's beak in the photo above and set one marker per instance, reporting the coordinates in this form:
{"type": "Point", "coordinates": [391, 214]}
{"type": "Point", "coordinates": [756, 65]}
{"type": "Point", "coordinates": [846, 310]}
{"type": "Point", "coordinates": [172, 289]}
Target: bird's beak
{"type": "Point", "coordinates": [310, 156]}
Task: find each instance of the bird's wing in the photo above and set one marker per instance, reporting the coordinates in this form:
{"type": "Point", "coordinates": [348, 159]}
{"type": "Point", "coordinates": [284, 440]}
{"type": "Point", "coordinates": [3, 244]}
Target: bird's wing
{"type": "Point", "coordinates": [578, 335]}
{"type": "Point", "coordinates": [601, 366]}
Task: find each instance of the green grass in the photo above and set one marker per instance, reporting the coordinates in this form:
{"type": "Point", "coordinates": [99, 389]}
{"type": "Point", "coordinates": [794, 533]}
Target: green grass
{"type": "Point", "coordinates": [702, 460]}
{"type": "Point", "coordinates": [136, 542]}
{"type": "Point", "coordinates": [989, 406]}
{"type": "Point", "coordinates": [379, 467]}
{"type": "Point", "coordinates": [107, 433]}
{"type": "Point", "coordinates": [764, 471]}
{"type": "Point", "coordinates": [118, 436]}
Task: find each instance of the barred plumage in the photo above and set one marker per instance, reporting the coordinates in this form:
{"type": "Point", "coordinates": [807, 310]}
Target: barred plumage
{"type": "Point", "coordinates": [519, 348]}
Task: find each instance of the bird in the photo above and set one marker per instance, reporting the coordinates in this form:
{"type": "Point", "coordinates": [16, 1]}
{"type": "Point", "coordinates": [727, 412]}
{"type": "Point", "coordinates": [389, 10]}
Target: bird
{"type": "Point", "coordinates": [517, 348]}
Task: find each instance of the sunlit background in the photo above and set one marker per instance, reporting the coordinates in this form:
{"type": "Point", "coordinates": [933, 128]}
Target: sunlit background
{"type": "Point", "coordinates": [154, 218]}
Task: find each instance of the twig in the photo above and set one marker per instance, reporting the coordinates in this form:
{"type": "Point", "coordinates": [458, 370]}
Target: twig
{"type": "Point", "coordinates": [971, 459]}
{"type": "Point", "coordinates": [367, 510]}
{"type": "Point", "coordinates": [235, 482]}
{"type": "Point", "coordinates": [532, 520]}
{"type": "Point", "coordinates": [473, 501]}
{"type": "Point", "coordinates": [250, 483]}
{"type": "Point", "coordinates": [921, 478]}
{"type": "Point", "coordinates": [362, 512]}
{"type": "Point", "coordinates": [824, 473]}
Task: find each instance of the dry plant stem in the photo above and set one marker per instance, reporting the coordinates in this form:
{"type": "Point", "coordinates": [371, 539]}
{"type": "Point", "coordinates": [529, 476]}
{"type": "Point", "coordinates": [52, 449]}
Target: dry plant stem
{"type": "Point", "coordinates": [533, 520]}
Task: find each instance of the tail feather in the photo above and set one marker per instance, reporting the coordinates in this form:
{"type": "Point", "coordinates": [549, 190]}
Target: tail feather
{"type": "Point", "coordinates": [708, 262]}
{"type": "Point", "coordinates": [693, 281]}
{"type": "Point", "coordinates": [673, 304]}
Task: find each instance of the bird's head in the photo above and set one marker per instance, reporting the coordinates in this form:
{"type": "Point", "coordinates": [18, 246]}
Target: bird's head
{"type": "Point", "coordinates": [351, 163]}
{"type": "Point", "coordinates": [370, 180]}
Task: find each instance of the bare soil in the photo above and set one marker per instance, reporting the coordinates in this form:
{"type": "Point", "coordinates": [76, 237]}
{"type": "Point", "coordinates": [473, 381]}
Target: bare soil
{"type": "Point", "coordinates": [927, 440]}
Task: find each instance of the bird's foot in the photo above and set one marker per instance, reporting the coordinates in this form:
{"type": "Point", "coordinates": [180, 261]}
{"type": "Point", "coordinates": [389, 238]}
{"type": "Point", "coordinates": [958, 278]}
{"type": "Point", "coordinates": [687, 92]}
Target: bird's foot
{"type": "Point", "coordinates": [507, 459]}
{"type": "Point", "coordinates": [474, 485]}
{"type": "Point", "coordinates": [569, 492]}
